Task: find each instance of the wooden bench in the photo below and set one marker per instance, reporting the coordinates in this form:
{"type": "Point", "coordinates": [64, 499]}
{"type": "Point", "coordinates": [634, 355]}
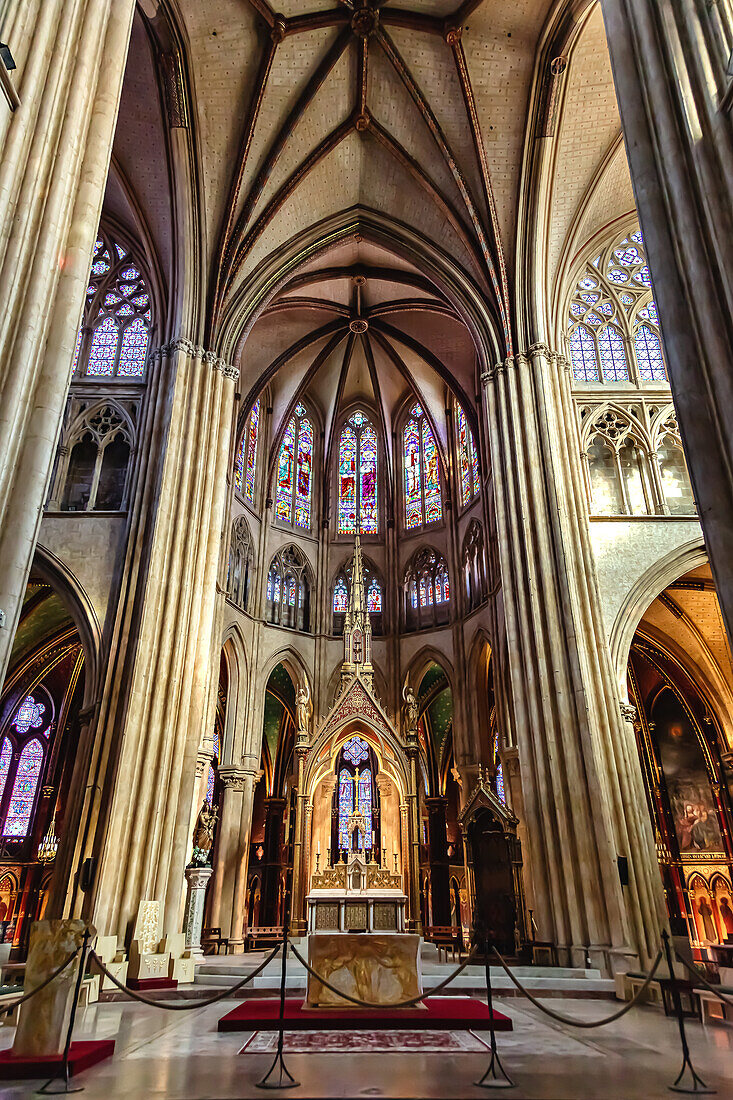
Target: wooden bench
{"type": "Point", "coordinates": [446, 937]}
{"type": "Point", "coordinates": [212, 938]}
{"type": "Point", "coordinates": [263, 936]}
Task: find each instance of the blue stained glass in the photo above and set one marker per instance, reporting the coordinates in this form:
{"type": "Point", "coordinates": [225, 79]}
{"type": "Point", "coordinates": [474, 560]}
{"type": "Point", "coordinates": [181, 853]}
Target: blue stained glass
{"type": "Point", "coordinates": [291, 591]}
{"type": "Point", "coordinates": [357, 477]}
{"type": "Point", "coordinates": [5, 757]}
{"type": "Point", "coordinates": [583, 355]}
{"type": "Point", "coordinates": [467, 458]}
{"type": "Point", "coordinates": [252, 436]}
{"type": "Point", "coordinates": [134, 348]}
{"type": "Point", "coordinates": [365, 806]}
{"type": "Point", "coordinates": [374, 597]}
{"type": "Point", "coordinates": [346, 805]}
{"type": "Point", "coordinates": [103, 350]}
{"type": "Point", "coordinates": [284, 507]}
{"type": "Point", "coordinates": [368, 481]}
{"type": "Point", "coordinates": [500, 783]}
{"type": "Point", "coordinates": [303, 483]}
{"type": "Point", "coordinates": [18, 817]}
{"type": "Point", "coordinates": [239, 464]}
{"type": "Point", "coordinates": [276, 589]}
{"type": "Point", "coordinates": [347, 481]}
{"type": "Point", "coordinates": [210, 785]}
{"type": "Point", "coordinates": [29, 715]}
{"type": "Point", "coordinates": [642, 276]}
{"type": "Point", "coordinates": [649, 355]}
{"type": "Point", "coordinates": [355, 750]}
{"type": "Point", "coordinates": [613, 355]}
{"type": "Point", "coordinates": [413, 476]}
{"type": "Point", "coordinates": [340, 596]}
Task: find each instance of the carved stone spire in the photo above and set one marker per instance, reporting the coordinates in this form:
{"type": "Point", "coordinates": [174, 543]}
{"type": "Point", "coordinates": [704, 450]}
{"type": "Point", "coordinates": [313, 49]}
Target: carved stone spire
{"type": "Point", "coordinates": [357, 626]}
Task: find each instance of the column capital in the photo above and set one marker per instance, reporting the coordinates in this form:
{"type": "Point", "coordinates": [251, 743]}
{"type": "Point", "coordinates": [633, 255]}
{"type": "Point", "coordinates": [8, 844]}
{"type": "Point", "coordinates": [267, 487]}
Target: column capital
{"type": "Point", "coordinates": [628, 712]}
{"type": "Point", "coordinates": [235, 779]}
{"type": "Point", "coordinates": [522, 358]}
{"type": "Point", "coordinates": [194, 351]}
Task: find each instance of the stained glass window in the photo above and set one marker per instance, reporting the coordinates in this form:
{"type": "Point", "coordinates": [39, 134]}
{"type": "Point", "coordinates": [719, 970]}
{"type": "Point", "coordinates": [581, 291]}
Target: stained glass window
{"type": "Point", "coordinates": [5, 757]}
{"type": "Point", "coordinates": [468, 468]}
{"type": "Point", "coordinates": [340, 596]}
{"type": "Point", "coordinates": [295, 471]}
{"type": "Point", "coordinates": [211, 778]}
{"type": "Point", "coordinates": [117, 315]}
{"type": "Point", "coordinates": [613, 355]}
{"type": "Point", "coordinates": [423, 504]}
{"type": "Point", "coordinates": [427, 590]}
{"type": "Point", "coordinates": [17, 819]}
{"type": "Point", "coordinates": [355, 750]}
{"type": "Point", "coordinates": [284, 505]}
{"type": "Point", "coordinates": [365, 806]}
{"type": "Point", "coordinates": [252, 435]}
{"type": "Point", "coordinates": [649, 354]}
{"type": "Point", "coordinates": [616, 289]}
{"type": "Point", "coordinates": [239, 463]}
{"type": "Point", "coordinates": [346, 805]}
{"type": "Point", "coordinates": [291, 591]}
{"type": "Point", "coordinates": [357, 477]}
{"type": "Point", "coordinates": [29, 715]}
{"type": "Point", "coordinates": [374, 597]}
{"type": "Point", "coordinates": [583, 354]}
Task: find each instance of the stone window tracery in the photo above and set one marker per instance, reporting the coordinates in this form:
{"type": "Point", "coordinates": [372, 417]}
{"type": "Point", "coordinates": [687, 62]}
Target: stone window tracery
{"type": "Point", "coordinates": [93, 466]}
{"type": "Point", "coordinates": [288, 590]}
{"type": "Point", "coordinates": [115, 332]}
{"type": "Point", "coordinates": [426, 590]}
{"type": "Point", "coordinates": [613, 327]}
{"type": "Point", "coordinates": [240, 563]}
{"type": "Point", "coordinates": [23, 753]}
{"type": "Point", "coordinates": [374, 591]}
{"type": "Point", "coordinates": [468, 464]}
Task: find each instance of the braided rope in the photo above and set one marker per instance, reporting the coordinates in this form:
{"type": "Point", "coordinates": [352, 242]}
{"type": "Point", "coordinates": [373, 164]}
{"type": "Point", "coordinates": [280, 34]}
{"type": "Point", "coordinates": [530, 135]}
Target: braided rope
{"type": "Point", "coordinates": [369, 1004]}
{"type": "Point", "coordinates": [194, 1002]}
{"type": "Point", "coordinates": [38, 988]}
{"type": "Point", "coordinates": [583, 1023]}
{"type": "Point", "coordinates": [699, 978]}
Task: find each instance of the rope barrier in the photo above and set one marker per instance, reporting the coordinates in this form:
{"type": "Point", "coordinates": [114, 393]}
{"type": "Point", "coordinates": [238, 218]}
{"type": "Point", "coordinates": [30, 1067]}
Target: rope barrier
{"type": "Point", "coordinates": [195, 1002]}
{"type": "Point", "coordinates": [370, 1004]}
{"type": "Point", "coordinates": [582, 1023]}
{"type": "Point", "coordinates": [31, 993]}
{"type": "Point", "coordinates": [699, 978]}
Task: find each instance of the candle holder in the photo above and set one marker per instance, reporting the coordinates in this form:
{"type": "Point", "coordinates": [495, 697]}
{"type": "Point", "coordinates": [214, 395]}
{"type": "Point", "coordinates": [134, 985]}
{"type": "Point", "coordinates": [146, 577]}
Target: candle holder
{"type": "Point", "coordinates": [384, 857]}
{"type": "Point", "coordinates": [318, 859]}
{"type": "Point", "coordinates": [395, 862]}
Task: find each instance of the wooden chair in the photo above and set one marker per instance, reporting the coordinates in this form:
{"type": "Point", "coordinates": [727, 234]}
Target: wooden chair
{"type": "Point", "coordinates": [212, 938]}
{"type": "Point", "coordinates": [264, 936]}
{"type": "Point", "coordinates": [446, 937]}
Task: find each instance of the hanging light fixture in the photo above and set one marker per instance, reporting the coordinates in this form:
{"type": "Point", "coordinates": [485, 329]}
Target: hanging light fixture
{"type": "Point", "coordinates": [49, 846]}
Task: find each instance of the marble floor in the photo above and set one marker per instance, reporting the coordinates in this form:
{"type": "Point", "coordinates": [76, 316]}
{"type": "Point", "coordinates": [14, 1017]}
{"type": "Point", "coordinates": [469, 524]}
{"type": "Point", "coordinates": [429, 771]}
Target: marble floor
{"type": "Point", "coordinates": [181, 1055]}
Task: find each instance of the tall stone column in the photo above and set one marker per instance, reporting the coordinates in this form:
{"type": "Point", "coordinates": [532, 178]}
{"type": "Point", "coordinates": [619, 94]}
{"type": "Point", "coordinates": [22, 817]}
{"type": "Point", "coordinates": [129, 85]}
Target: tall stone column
{"type": "Point", "coordinates": [54, 155]}
{"type": "Point", "coordinates": [170, 695]}
{"type": "Point", "coordinates": [439, 863]}
{"type": "Point", "coordinates": [581, 779]}
{"type": "Point", "coordinates": [232, 854]}
{"type": "Point", "coordinates": [670, 63]}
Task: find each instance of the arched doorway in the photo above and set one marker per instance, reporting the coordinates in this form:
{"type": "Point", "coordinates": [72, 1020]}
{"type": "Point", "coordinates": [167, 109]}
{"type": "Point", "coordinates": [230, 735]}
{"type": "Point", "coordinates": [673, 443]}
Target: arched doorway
{"type": "Point", "coordinates": [680, 682]}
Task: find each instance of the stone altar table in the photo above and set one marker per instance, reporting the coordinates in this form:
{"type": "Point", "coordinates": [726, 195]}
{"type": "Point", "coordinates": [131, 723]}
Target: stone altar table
{"type": "Point", "coordinates": [382, 968]}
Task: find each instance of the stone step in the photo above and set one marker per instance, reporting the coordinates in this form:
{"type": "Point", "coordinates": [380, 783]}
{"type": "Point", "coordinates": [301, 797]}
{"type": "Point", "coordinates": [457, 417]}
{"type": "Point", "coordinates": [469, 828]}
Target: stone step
{"type": "Point", "coordinates": [433, 971]}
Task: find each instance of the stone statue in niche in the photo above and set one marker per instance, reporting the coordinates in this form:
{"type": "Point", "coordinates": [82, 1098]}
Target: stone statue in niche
{"type": "Point", "coordinates": [412, 711]}
{"type": "Point", "coordinates": [302, 711]}
{"type": "Point", "coordinates": [203, 835]}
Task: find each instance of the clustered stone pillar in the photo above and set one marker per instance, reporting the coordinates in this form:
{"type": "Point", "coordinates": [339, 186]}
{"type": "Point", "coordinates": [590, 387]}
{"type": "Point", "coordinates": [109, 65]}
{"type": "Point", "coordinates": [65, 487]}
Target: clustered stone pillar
{"type": "Point", "coordinates": [54, 156]}
{"type": "Point", "coordinates": [232, 854]}
{"type": "Point", "coordinates": [671, 66]}
{"type": "Point", "coordinates": [581, 779]}
{"type": "Point", "coordinates": [439, 862]}
{"type": "Point", "coordinates": [170, 697]}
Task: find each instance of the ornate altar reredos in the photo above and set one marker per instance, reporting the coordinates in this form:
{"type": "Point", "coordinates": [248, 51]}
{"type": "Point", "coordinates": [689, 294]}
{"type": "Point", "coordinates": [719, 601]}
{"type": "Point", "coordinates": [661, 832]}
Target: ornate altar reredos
{"type": "Point", "coordinates": [357, 813]}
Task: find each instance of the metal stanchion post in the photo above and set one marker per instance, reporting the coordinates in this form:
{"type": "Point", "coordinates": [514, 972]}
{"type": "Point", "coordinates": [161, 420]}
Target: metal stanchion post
{"type": "Point", "coordinates": [496, 1076]}
{"type": "Point", "coordinates": [281, 1083]}
{"type": "Point", "coordinates": [698, 1087]}
{"type": "Point", "coordinates": [67, 1046]}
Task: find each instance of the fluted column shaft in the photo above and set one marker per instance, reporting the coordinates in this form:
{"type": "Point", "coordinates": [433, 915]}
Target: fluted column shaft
{"type": "Point", "coordinates": [232, 856]}
{"type": "Point", "coordinates": [671, 63]}
{"type": "Point", "coordinates": [148, 839]}
{"type": "Point", "coordinates": [581, 779]}
{"type": "Point", "coordinates": [54, 156]}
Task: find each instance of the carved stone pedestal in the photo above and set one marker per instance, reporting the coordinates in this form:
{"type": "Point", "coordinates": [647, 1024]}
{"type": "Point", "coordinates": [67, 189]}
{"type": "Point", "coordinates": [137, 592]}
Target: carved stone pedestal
{"type": "Point", "coordinates": [44, 1019]}
{"type": "Point", "coordinates": [197, 879]}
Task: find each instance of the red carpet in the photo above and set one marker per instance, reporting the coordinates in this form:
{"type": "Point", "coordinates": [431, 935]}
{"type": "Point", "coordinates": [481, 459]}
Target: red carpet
{"type": "Point", "coordinates": [141, 984]}
{"type": "Point", "coordinates": [451, 1013]}
{"type": "Point", "coordinates": [82, 1055]}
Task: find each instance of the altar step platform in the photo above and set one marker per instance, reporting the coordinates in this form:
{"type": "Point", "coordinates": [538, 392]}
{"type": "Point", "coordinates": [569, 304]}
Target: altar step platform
{"type": "Point", "coordinates": [547, 981]}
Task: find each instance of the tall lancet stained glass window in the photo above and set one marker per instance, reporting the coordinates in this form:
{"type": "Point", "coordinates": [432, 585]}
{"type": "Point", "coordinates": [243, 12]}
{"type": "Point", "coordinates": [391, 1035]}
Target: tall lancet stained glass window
{"type": "Point", "coordinates": [468, 467]}
{"type": "Point", "coordinates": [245, 469]}
{"type": "Point", "coordinates": [357, 477]}
{"type": "Point", "coordinates": [295, 471]}
{"type": "Point", "coordinates": [115, 332]}
{"type": "Point", "coordinates": [423, 503]}
{"type": "Point", "coordinates": [346, 805]}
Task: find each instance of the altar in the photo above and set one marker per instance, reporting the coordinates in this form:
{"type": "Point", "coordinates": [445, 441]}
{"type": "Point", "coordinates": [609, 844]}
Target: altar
{"type": "Point", "coordinates": [357, 896]}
